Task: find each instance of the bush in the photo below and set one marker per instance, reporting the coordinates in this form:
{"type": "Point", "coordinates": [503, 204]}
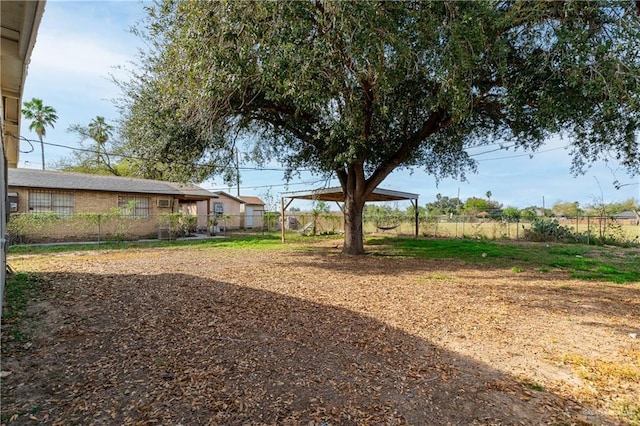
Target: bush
{"type": "Point", "coordinates": [549, 230]}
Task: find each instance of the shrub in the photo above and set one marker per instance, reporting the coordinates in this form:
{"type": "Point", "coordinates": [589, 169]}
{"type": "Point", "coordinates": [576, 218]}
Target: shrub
{"type": "Point", "coordinates": [549, 230]}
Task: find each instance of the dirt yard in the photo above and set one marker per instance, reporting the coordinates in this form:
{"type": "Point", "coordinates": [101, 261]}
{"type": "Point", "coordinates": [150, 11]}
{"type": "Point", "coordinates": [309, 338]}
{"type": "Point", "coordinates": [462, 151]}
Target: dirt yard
{"type": "Point", "coordinates": [309, 337]}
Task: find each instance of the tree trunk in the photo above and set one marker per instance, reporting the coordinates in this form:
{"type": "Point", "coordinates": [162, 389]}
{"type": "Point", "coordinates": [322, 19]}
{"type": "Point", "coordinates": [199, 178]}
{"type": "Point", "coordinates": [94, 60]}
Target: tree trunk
{"type": "Point", "coordinates": [41, 149]}
{"type": "Point", "coordinates": [353, 237]}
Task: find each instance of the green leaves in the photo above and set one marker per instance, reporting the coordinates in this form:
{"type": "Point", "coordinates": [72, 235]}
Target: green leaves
{"type": "Point", "coordinates": [360, 89]}
{"type": "Point", "coordinates": [41, 114]}
{"type": "Point", "coordinates": [357, 81]}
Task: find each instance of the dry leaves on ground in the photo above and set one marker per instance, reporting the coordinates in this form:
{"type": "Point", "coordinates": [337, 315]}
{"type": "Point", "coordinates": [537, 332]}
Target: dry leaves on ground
{"type": "Point", "coordinates": [291, 337]}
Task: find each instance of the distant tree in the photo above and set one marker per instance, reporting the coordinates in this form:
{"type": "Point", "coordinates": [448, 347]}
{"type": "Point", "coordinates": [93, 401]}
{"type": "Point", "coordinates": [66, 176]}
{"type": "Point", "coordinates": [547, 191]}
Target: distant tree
{"type": "Point", "coordinates": [373, 210]}
{"type": "Point", "coordinates": [319, 208]}
{"type": "Point", "coordinates": [42, 116]}
{"type": "Point", "coordinates": [411, 211]}
{"type": "Point", "coordinates": [160, 145]}
{"type": "Point", "coordinates": [475, 206]}
{"type": "Point", "coordinates": [270, 200]}
{"type": "Point", "coordinates": [529, 213]}
{"type": "Point", "coordinates": [489, 195]}
{"type": "Point", "coordinates": [85, 162]}
{"type": "Point", "coordinates": [566, 209]}
{"type": "Point", "coordinates": [358, 89]}
{"type": "Point", "coordinates": [599, 207]}
{"type": "Point", "coordinates": [443, 205]}
{"type": "Point", "coordinates": [511, 214]}
{"type": "Point", "coordinates": [100, 132]}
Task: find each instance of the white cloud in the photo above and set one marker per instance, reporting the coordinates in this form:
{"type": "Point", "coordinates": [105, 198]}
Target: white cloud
{"type": "Point", "coordinates": [74, 55]}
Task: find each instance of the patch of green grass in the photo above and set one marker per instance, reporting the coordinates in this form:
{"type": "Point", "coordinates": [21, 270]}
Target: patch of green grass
{"type": "Point", "coordinates": [517, 269]}
{"type": "Point", "coordinates": [631, 412]}
{"type": "Point", "coordinates": [568, 250]}
{"type": "Point", "coordinates": [566, 287]}
{"type": "Point", "coordinates": [440, 277]}
{"type": "Point", "coordinates": [18, 291]}
{"type": "Point", "coordinates": [608, 273]}
{"type": "Point", "coordinates": [471, 250]}
{"type": "Point", "coordinates": [533, 385]}
{"type": "Point", "coordinates": [581, 261]}
{"type": "Point", "coordinates": [270, 240]}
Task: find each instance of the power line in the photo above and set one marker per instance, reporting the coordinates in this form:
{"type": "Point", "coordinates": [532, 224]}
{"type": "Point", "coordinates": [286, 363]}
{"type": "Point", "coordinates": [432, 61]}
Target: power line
{"type": "Point", "coordinates": [132, 157]}
{"type": "Point", "coordinates": [277, 169]}
{"type": "Point", "coordinates": [524, 155]}
{"type": "Point", "coordinates": [502, 148]}
{"type": "Point", "coordinates": [269, 186]}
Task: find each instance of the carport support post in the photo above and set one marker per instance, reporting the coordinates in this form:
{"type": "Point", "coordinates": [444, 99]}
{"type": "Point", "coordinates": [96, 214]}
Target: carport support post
{"type": "Point", "coordinates": [283, 207]}
{"type": "Point", "coordinates": [417, 215]}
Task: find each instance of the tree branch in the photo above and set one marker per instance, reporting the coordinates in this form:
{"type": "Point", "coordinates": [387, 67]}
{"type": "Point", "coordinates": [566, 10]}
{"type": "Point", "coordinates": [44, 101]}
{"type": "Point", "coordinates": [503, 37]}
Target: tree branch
{"type": "Point", "coordinates": [437, 120]}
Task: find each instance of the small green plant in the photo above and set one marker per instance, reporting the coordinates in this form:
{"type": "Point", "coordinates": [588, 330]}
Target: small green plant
{"type": "Point", "coordinates": [19, 289]}
{"type": "Point", "coordinates": [270, 221]}
{"type": "Point", "coordinates": [22, 227]}
{"type": "Point", "coordinates": [441, 277]}
{"type": "Point", "coordinates": [533, 385]}
{"type": "Point", "coordinates": [179, 224]}
{"type": "Point", "coordinates": [631, 412]}
{"type": "Point", "coordinates": [517, 269]}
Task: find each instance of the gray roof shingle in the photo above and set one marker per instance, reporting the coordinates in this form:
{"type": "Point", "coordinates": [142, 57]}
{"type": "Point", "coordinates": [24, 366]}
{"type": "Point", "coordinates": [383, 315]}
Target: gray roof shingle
{"type": "Point", "coordinates": [32, 178]}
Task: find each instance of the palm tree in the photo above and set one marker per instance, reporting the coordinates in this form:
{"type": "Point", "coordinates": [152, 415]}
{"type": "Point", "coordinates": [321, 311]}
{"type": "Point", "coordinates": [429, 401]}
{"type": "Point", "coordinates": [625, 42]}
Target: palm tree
{"type": "Point", "coordinates": [42, 116]}
{"type": "Point", "coordinates": [99, 131]}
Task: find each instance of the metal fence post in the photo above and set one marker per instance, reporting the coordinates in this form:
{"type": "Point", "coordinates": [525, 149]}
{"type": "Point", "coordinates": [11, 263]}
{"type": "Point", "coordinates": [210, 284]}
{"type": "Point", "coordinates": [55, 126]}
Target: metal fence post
{"type": "Point", "coordinates": [456, 226]}
{"type": "Point", "coordinates": [464, 217]}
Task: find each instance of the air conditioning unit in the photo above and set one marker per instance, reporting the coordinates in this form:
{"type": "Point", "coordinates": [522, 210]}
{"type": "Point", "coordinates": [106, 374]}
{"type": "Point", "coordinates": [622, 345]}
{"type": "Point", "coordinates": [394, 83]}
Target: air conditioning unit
{"type": "Point", "coordinates": [163, 203]}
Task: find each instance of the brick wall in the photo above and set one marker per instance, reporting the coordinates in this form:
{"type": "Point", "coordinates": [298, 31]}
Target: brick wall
{"type": "Point", "coordinates": [98, 202]}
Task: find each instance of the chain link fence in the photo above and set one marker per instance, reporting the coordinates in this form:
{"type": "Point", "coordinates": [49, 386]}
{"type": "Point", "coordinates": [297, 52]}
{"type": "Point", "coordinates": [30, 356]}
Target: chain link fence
{"type": "Point", "coordinates": [32, 228]}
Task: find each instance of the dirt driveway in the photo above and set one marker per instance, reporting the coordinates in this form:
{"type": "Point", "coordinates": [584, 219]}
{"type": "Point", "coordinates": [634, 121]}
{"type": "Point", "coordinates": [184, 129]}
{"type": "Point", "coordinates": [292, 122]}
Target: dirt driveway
{"type": "Point", "coordinates": [309, 337]}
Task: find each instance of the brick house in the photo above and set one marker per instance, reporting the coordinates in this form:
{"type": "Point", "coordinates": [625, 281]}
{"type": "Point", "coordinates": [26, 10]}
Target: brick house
{"type": "Point", "coordinates": [73, 194]}
{"type": "Point", "coordinates": [252, 210]}
{"type": "Point", "coordinates": [234, 213]}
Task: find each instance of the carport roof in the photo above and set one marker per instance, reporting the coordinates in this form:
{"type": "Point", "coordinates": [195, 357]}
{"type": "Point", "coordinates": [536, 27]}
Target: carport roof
{"type": "Point", "coordinates": [336, 194]}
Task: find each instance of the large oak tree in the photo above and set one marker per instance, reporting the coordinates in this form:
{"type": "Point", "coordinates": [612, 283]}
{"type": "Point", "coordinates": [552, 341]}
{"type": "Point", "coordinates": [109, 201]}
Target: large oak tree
{"type": "Point", "coordinates": [359, 89]}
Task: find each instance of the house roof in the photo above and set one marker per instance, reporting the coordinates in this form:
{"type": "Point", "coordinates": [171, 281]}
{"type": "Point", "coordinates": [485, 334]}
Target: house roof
{"type": "Point", "coordinates": [626, 215]}
{"type": "Point", "coordinates": [224, 194]}
{"type": "Point", "coordinates": [252, 200]}
{"type": "Point", "coordinates": [20, 23]}
{"type": "Point", "coordinates": [31, 178]}
{"type": "Point", "coordinates": [335, 194]}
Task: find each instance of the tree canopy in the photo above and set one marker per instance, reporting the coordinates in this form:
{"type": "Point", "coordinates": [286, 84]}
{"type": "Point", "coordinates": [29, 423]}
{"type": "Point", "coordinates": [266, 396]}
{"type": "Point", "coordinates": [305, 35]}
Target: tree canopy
{"type": "Point", "coordinates": [444, 205]}
{"type": "Point", "coordinates": [359, 89]}
{"type": "Point", "coordinates": [95, 159]}
{"type": "Point", "coordinates": [41, 116]}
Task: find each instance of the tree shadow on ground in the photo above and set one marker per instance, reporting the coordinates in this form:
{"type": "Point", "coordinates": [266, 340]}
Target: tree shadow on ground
{"type": "Point", "coordinates": [553, 292]}
{"type": "Point", "coordinates": [179, 349]}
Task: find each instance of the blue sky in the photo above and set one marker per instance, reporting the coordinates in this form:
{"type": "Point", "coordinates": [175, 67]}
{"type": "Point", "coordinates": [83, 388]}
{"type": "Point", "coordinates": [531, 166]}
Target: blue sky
{"type": "Point", "coordinates": [80, 44]}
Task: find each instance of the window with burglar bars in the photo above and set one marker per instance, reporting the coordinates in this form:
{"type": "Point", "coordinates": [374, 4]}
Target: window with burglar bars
{"type": "Point", "coordinates": [218, 209]}
{"type": "Point", "coordinates": [48, 201]}
{"type": "Point", "coordinates": [139, 207]}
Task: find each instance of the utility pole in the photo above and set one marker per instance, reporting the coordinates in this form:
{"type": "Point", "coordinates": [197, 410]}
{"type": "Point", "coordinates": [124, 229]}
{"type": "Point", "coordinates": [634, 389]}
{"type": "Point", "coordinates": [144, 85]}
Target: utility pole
{"type": "Point", "coordinates": [238, 172]}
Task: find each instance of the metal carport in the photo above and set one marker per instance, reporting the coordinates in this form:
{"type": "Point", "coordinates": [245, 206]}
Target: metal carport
{"type": "Point", "coordinates": [336, 194]}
